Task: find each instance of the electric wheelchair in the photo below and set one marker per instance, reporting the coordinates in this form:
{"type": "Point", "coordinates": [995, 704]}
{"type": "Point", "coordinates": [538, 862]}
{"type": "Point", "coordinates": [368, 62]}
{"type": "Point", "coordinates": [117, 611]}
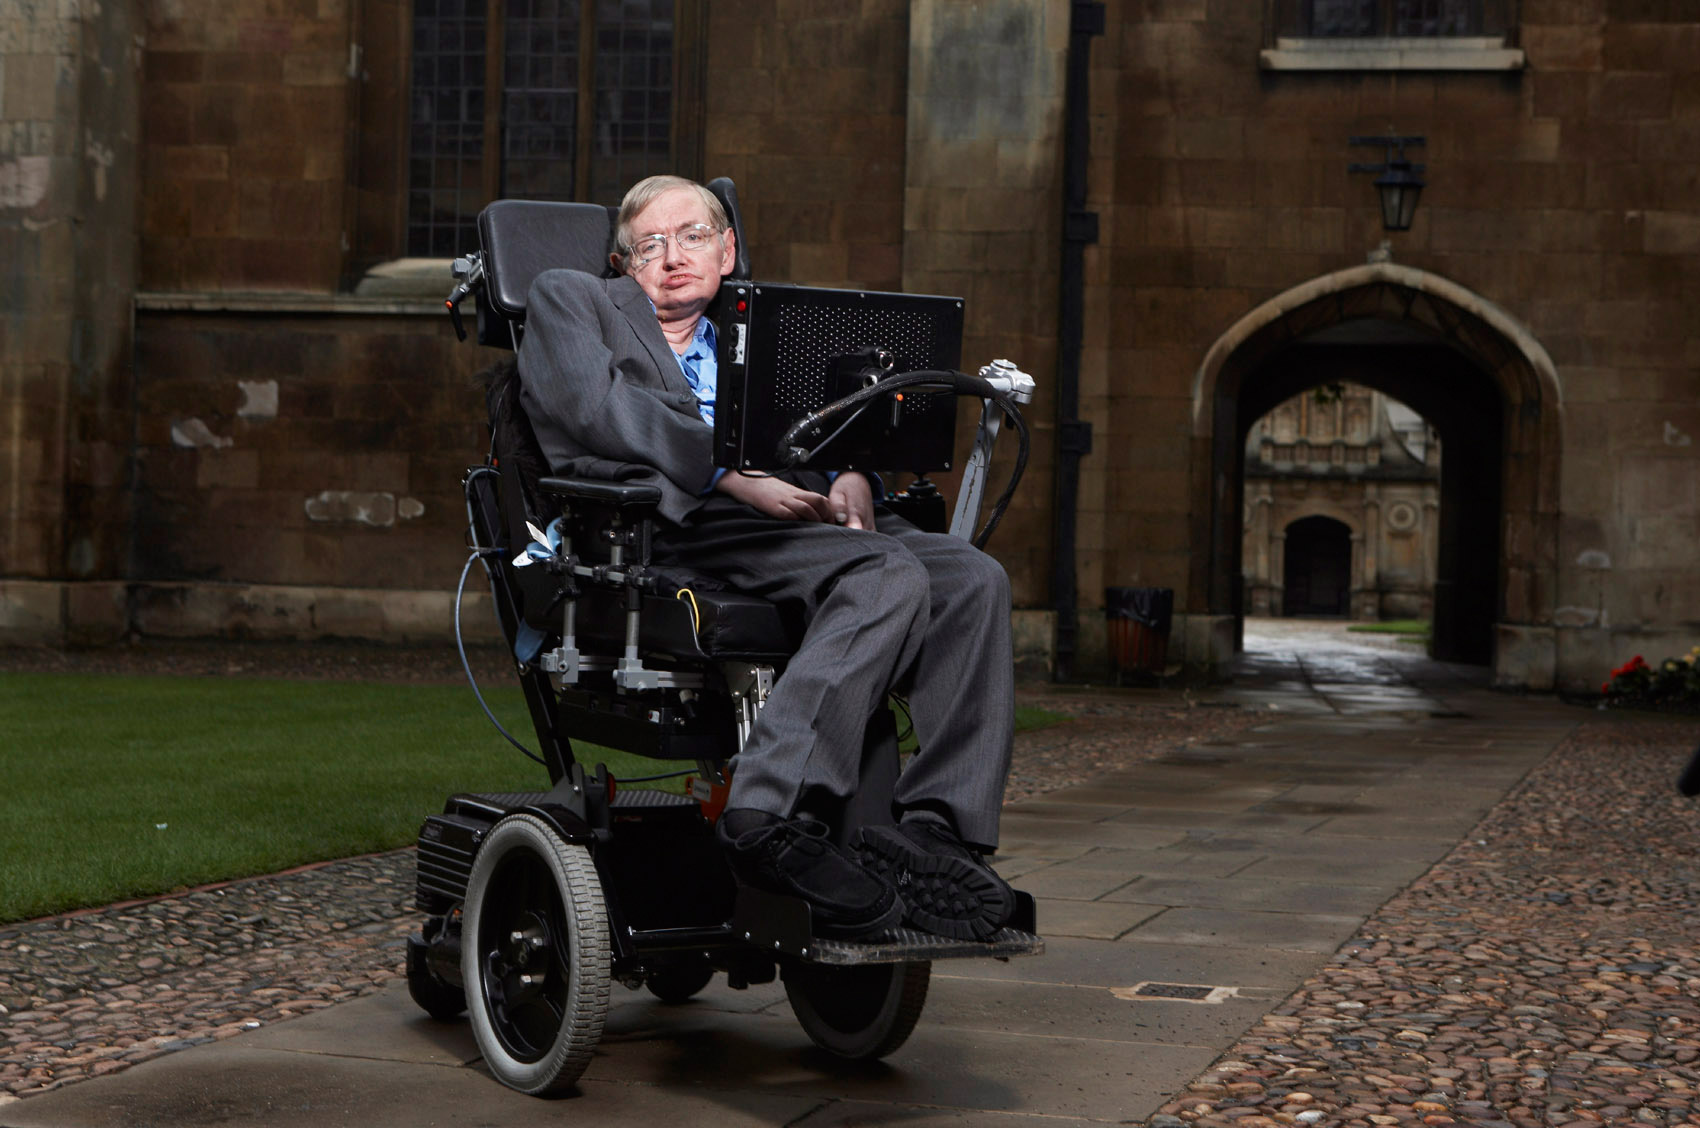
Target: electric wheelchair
{"type": "Point", "coordinates": [536, 903]}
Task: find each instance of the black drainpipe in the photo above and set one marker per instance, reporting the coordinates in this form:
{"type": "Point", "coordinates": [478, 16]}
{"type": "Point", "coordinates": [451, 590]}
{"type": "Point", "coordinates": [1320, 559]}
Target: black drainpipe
{"type": "Point", "coordinates": [1080, 227]}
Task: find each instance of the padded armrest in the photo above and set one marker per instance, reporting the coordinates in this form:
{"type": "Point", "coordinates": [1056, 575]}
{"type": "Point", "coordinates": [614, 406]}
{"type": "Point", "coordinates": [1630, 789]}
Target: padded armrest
{"type": "Point", "coordinates": [621, 494]}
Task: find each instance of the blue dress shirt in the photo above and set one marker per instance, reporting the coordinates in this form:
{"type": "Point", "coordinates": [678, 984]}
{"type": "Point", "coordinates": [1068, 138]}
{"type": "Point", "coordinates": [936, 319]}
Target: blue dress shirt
{"type": "Point", "coordinates": [701, 366]}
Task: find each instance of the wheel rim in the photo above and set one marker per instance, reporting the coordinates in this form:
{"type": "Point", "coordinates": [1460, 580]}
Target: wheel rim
{"type": "Point", "coordinates": [524, 950]}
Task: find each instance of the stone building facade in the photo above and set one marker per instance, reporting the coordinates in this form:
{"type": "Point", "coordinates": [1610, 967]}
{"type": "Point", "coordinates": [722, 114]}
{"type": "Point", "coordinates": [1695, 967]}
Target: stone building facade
{"type": "Point", "coordinates": [1342, 505]}
{"type": "Point", "coordinates": [229, 408]}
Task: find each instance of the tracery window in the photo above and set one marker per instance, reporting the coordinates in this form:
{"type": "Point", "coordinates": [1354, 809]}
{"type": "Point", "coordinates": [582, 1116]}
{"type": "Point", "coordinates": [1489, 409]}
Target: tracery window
{"type": "Point", "coordinates": [541, 99]}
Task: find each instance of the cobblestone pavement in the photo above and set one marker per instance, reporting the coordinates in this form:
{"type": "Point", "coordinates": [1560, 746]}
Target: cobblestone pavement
{"type": "Point", "coordinates": [86, 994]}
{"type": "Point", "coordinates": [1546, 972]}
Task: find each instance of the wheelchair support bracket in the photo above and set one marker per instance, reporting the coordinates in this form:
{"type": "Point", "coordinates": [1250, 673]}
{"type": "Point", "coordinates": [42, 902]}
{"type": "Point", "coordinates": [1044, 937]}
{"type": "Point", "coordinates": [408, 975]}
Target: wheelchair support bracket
{"type": "Point", "coordinates": [750, 684]}
{"type": "Point", "coordinates": [772, 922]}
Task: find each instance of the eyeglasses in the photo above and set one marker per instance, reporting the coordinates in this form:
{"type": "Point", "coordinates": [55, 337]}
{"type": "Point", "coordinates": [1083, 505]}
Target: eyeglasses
{"type": "Point", "coordinates": [691, 240]}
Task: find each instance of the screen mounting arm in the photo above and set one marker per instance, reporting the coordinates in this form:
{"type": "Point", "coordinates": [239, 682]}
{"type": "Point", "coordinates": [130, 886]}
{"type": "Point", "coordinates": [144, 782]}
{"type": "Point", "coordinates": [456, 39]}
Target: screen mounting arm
{"type": "Point", "coordinates": [1018, 386]}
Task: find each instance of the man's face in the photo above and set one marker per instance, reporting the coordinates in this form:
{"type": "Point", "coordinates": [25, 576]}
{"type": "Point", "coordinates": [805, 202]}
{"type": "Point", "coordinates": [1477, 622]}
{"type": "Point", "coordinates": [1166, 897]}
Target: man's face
{"type": "Point", "coordinates": [680, 281]}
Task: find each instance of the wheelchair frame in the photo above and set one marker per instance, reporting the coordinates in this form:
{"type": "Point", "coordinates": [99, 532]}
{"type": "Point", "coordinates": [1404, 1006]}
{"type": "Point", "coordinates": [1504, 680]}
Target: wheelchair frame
{"type": "Point", "coordinates": [537, 902]}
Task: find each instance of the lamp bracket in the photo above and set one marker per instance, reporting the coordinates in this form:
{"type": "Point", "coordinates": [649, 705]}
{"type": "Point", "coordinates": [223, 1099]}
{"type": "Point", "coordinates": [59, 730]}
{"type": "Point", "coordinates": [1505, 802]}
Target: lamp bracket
{"type": "Point", "coordinates": [1394, 144]}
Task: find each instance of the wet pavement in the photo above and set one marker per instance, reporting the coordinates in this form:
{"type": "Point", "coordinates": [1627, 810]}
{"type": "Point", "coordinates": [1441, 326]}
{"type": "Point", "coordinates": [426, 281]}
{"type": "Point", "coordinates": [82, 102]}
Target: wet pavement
{"type": "Point", "coordinates": [1243, 895]}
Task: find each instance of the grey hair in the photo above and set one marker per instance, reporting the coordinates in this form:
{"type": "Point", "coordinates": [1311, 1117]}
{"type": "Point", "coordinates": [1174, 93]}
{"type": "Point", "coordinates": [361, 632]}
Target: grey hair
{"type": "Point", "coordinates": [646, 192]}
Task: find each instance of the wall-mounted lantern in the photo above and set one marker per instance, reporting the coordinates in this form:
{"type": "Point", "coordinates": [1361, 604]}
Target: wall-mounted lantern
{"type": "Point", "coordinates": [1400, 182]}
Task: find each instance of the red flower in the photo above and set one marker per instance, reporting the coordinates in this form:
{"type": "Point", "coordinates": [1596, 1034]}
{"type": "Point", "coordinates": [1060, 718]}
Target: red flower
{"type": "Point", "coordinates": [1634, 665]}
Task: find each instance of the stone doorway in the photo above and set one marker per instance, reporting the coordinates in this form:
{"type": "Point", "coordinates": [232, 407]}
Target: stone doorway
{"type": "Point", "coordinates": [1317, 564]}
{"type": "Point", "coordinates": [1489, 390]}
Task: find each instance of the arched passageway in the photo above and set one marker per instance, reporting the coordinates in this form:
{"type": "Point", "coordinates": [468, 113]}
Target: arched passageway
{"type": "Point", "coordinates": [1317, 566]}
{"type": "Point", "coordinates": [1485, 384]}
{"type": "Point", "coordinates": [1366, 460]}
{"type": "Point", "coordinates": [1465, 406]}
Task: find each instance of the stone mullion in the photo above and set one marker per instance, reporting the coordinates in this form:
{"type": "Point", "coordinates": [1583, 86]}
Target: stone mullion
{"type": "Point", "coordinates": [495, 54]}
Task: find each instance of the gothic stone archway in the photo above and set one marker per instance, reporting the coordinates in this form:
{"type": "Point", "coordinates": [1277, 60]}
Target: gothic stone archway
{"type": "Point", "coordinates": [1459, 360]}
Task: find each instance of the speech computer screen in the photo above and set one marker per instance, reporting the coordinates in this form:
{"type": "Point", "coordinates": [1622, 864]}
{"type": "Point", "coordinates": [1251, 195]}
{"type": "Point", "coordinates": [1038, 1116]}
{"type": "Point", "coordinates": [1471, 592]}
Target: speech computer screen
{"type": "Point", "coordinates": [785, 351]}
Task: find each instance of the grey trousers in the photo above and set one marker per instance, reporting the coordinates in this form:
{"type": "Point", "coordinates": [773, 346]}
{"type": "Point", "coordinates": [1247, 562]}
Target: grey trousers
{"type": "Point", "coordinates": [894, 609]}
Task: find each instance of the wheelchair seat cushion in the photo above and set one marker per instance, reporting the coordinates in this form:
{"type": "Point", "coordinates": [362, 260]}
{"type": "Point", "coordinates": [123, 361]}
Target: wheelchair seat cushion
{"type": "Point", "coordinates": [725, 625]}
{"type": "Point", "coordinates": [731, 624]}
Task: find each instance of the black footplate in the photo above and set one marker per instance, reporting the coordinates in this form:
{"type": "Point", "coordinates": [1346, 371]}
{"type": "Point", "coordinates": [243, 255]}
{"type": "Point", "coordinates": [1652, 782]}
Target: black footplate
{"type": "Point", "coordinates": [909, 945]}
{"type": "Point", "coordinates": [782, 924]}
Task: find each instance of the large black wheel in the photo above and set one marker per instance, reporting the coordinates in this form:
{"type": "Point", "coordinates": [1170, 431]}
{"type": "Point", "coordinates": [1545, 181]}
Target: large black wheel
{"type": "Point", "coordinates": [436, 996]}
{"type": "Point", "coordinates": [535, 956]}
{"type": "Point", "coordinates": [676, 983]}
{"type": "Point", "coordinates": [858, 1012]}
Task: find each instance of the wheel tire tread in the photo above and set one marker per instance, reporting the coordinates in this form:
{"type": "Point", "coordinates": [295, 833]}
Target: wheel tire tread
{"type": "Point", "coordinates": [590, 947]}
{"type": "Point", "coordinates": [916, 978]}
{"type": "Point", "coordinates": [887, 1030]}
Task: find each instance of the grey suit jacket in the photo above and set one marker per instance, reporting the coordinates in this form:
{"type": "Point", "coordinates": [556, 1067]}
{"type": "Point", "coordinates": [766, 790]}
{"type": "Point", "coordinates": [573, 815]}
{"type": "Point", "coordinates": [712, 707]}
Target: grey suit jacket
{"type": "Point", "coordinates": [604, 392]}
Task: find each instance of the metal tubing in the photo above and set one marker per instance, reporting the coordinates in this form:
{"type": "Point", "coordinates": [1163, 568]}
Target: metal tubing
{"type": "Point", "coordinates": [680, 939]}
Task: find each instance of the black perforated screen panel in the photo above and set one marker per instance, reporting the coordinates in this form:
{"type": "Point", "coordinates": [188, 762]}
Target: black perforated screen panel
{"type": "Point", "coordinates": [788, 350]}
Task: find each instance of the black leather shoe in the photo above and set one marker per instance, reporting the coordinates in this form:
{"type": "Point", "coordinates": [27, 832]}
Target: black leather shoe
{"type": "Point", "coordinates": [945, 887]}
{"type": "Point", "coordinates": [794, 857]}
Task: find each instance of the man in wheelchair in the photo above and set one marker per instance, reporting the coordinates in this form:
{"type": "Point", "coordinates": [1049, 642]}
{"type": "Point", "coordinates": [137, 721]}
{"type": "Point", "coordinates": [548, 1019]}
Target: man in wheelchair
{"type": "Point", "coordinates": [624, 369]}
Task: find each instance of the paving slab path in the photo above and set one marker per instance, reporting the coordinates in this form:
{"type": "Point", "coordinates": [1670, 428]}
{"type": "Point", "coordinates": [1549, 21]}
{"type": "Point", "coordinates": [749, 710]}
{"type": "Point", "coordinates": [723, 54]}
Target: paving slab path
{"type": "Point", "coordinates": [1211, 915]}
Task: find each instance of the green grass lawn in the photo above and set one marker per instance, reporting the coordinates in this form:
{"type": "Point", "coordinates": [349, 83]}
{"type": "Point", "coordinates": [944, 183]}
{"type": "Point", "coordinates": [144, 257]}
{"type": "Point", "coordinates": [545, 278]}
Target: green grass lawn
{"type": "Point", "coordinates": [116, 787]}
{"type": "Point", "coordinates": [1393, 626]}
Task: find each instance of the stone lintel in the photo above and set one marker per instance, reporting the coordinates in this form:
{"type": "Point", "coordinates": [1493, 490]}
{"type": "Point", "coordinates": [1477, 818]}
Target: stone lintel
{"type": "Point", "coordinates": [95, 613]}
{"type": "Point", "coordinates": [63, 613]}
{"type": "Point", "coordinates": [285, 612]}
{"type": "Point", "coordinates": [1392, 54]}
{"type": "Point", "coordinates": [218, 301]}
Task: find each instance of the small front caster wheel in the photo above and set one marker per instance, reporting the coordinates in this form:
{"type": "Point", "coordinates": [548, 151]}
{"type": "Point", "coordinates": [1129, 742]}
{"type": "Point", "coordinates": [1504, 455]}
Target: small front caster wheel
{"type": "Point", "coordinates": [862, 1012]}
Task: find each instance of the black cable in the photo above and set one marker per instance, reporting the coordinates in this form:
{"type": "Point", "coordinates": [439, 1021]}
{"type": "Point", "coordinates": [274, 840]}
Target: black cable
{"type": "Point", "coordinates": [460, 590]}
{"type": "Point", "coordinates": [652, 778]}
{"type": "Point", "coordinates": [789, 454]}
{"type": "Point", "coordinates": [902, 704]}
{"type": "Point", "coordinates": [1003, 501]}
{"type": "Point", "coordinates": [854, 415]}
{"type": "Point", "coordinates": [460, 644]}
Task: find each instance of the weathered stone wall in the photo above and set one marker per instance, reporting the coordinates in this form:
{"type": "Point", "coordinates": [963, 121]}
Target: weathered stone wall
{"type": "Point", "coordinates": [1565, 194]}
{"type": "Point", "coordinates": [245, 111]}
{"type": "Point", "coordinates": [805, 111]}
{"type": "Point", "coordinates": [68, 78]}
{"type": "Point", "coordinates": [983, 220]}
{"type": "Point", "coordinates": [305, 449]}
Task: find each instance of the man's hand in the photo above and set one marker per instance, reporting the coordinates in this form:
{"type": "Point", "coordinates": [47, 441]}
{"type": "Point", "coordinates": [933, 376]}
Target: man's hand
{"type": "Point", "coordinates": [852, 499]}
{"type": "Point", "coordinates": [776, 497]}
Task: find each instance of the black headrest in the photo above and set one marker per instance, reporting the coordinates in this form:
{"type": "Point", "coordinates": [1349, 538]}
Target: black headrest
{"type": "Point", "coordinates": [523, 238]}
{"type": "Point", "coordinates": [727, 193]}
